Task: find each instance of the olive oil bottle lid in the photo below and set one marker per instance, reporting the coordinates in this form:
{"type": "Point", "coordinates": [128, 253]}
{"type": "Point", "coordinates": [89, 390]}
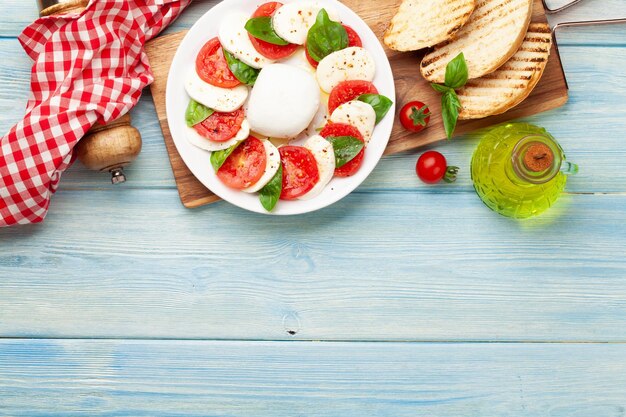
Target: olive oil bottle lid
{"type": "Point", "coordinates": [538, 157]}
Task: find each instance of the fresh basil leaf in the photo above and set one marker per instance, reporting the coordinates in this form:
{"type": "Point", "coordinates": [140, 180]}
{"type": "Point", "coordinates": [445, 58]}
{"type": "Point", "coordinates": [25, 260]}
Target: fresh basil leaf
{"type": "Point", "coordinates": [456, 77]}
{"type": "Point", "coordinates": [456, 72]}
{"type": "Point", "coordinates": [450, 106]}
{"type": "Point", "coordinates": [380, 103]}
{"type": "Point", "coordinates": [196, 113]}
{"type": "Point", "coordinates": [261, 28]}
{"type": "Point", "coordinates": [346, 148]}
{"type": "Point", "coordinates": [219, 157]}
{"type": "Point", "coordinates": [270, 194]}
{"type": "Point", "coordinates": [441, 88]}
{"type": "Point", "coordinates": [325, 37]}
{"type": "Point", "coordinates": [243, 72]}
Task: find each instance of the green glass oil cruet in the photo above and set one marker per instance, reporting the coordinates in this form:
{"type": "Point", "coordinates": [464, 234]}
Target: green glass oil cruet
{"type": "Point", "coordinates": [519, 170]}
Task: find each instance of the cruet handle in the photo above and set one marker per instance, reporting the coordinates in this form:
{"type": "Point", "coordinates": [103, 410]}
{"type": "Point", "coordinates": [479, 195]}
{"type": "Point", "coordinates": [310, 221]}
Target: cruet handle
{"type": "Point", "coordinates": [569, 168]}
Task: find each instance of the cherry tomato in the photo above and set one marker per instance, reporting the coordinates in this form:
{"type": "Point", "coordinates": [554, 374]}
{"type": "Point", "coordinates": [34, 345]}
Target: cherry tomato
{"type": "Point", "coordinates": [432, 167]}
{"type": "Point", "coordinates": [220, 127]}
{"type": "Point", "coordinates": [269, 50]}
{"type": "Point", "coordinates": [340, 129]}
{"type": "Point", "coordinates": [353, 40]}
{"type": "Point", "coordinates": [245, 166]}
{"type": "Point", "coordinates": [415, 116]}
{"type": "Point", "coordinates": [300, 172]}
{"type": "Point", "coordinates": [212, 67]}
{"type": "Point", "coordinates": [349, 90]}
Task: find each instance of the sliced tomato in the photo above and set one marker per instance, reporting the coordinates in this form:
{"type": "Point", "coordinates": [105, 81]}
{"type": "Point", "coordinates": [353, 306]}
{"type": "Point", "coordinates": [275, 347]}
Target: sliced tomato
{"type": "Point", "coordinates": [212, 67]}
{"type": "Point", "coordinates": [300, 172]}
{"type": "Point", "coordinates": [269, 50]}
{"type": "Point", "coordinates": [353, 40]}
{"type": "Point", "coordinates": [313, 62]}
{"type": "Point", "coordinates": [340, 129]}
{"type": "Point", "coordinates": [220, 127]}
{"type": "Point", "coordinates": [348, 91]}
{"type": "Point", "coordinates": [245, 166]}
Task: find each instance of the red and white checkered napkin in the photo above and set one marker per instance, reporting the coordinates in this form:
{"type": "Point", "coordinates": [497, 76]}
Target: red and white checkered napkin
{"type": "Point", "coordinates": [88, 67]}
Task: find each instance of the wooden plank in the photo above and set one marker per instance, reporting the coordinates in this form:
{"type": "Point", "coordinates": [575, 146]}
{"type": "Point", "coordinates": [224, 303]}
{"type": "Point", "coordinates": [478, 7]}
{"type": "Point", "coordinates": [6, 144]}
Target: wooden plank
{"type": "Point", "coordinates": [591, 135]}
{"type": "Point", "coordinates": [161, 378]}
{"type": "Point", "coordinates": [376, 266]}
{"type": "Point", "coordinates": [15, 15]}
{"type": "Point", "coordinates": [15, 79]}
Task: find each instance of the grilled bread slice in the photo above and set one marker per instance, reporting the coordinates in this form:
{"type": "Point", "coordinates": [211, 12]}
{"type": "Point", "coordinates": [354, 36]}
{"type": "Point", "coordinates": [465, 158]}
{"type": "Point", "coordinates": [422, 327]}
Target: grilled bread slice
{"type": "Point", "coordinates": [510, 84]}
{"type": "Point", "coordinates": [493, 33]}
{"type": "Point", "coordinates": [424, 23]}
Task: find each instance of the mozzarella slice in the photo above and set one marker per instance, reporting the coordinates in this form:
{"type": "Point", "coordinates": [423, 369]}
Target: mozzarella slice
{"type": "Point", "coordinates": [201, 142]}
{"type": "Point", "coordinates": [271, 167]}
{"type": "Point", "coordinates": [352, 63]}
{"type": "Point", "coordinates": [358, 114]}
{"type": "Point", "coordinates": [324, 155]}
{"type": "Point", "coordinates": [234, 38]}
{"type": "Point", "coordinates": [283, 101]}
{"type": "Point", "coordinates": [224, 100]}
{"type": "Point", "coordinates": [292, 21]}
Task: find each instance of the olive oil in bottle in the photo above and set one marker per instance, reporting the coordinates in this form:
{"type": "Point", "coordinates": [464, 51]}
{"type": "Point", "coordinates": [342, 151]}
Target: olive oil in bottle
{"type": "Point", "coordinates": [519, 170]}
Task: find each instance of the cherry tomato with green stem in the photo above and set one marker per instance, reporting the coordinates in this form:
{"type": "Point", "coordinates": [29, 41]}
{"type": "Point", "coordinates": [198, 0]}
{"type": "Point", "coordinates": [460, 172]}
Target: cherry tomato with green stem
{"type": "Point", "coordinates": [432, 167]}
{"type": "Point", "coordinates": [415, 116]}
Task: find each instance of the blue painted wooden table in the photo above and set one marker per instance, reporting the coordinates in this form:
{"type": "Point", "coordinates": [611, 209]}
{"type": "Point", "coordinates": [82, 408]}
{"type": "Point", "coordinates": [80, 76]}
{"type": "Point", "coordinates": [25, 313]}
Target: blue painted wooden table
{"type": "Point", "coordinates": [401, 300]}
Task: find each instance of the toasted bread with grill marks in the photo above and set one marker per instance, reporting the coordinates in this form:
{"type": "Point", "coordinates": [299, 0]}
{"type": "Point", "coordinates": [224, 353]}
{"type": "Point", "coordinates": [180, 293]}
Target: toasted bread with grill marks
{"type": "Point", "coordinates": [421, 24]}
{"type": "Point", "coordinates": [510, 84]}
{"type": "Point", "coordinates": [493, 33]}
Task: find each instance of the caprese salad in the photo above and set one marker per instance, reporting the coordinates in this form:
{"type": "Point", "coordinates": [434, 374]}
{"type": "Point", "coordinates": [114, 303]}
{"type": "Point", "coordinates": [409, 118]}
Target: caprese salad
{"type": "Point", "coordinates": [284, 101]}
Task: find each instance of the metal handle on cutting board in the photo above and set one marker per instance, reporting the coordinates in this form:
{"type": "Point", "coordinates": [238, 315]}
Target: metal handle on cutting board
{"type": "Point", "coordinates": [580, 22]}
{"type": "Point", "coordinates": [576, 23]}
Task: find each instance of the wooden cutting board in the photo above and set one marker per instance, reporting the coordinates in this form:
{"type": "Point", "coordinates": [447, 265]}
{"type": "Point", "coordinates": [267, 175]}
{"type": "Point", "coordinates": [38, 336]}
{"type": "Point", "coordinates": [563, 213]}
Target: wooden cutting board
{"type": "Point", "coordinates": [551, 92]}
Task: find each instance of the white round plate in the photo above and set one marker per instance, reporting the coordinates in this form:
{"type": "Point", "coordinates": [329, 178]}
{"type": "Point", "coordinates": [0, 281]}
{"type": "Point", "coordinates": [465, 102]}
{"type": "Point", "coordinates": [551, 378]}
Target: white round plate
{"type": "Point", "coordinates": [198, 160]}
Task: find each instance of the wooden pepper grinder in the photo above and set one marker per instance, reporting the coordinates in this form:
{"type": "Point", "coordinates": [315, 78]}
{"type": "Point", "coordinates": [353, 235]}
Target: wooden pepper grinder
{"type": "Point", "coordinates": [109, 147]}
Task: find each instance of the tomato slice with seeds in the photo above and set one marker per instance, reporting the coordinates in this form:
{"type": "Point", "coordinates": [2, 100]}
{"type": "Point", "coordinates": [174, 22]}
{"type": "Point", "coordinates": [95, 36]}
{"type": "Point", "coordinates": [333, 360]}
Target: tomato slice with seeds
{"type": "Point", "coordinates": [212, 67]}
{"type": "Point", "coordinates": [300, 172]}
{"type": "Point", "coordinates": [353, 40]}
{"type": "Point", "coordinates": [340, 129]}
{"type": "Point", "coordinates": [220, 127]}
{"type": "Point", "coordinates": [269, 50]}
{"type": "Point", "coordinates": [245, 166]}
{"type": "Point", "coordinates": [347, 91]}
